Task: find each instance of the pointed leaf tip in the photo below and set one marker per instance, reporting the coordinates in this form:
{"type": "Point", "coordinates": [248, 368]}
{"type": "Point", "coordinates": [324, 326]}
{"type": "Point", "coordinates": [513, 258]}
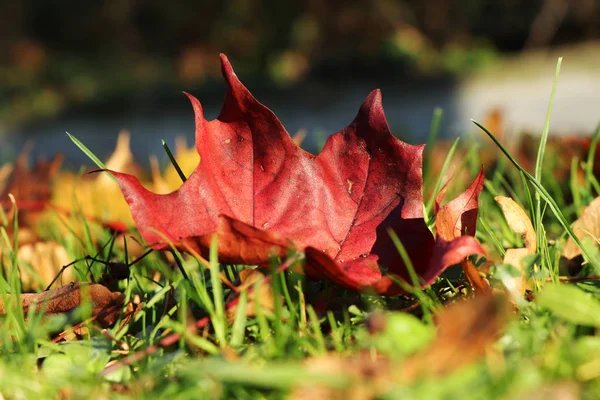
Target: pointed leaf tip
{"type": "Point", "coordinates": [226, 67]}
{"type": "Point", "coordinates": [197, 106]}
{"type": "Point", "coordinates": [373, 100]}
{"type": "Point", "coordinates": [372, 114]}
{"type": "Point", "coordinates": [199, 118]}
{"type": "Point", "coordinates": [238, 97]}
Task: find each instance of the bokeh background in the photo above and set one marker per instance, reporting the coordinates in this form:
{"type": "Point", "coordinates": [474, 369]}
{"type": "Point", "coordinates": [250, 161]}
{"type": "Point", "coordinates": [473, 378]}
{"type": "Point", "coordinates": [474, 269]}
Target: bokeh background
{"type": "Point", "coordinates": [93, 68]}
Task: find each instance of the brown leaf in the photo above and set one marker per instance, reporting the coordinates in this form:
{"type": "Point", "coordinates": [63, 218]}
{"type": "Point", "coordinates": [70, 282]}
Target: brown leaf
{"type": "Point", "coordinates": [587, 225]}
{"type": "Point", "coordinates": [81, 329]}
{"type": "Point", "coordinates": [32, 184]}
{"type": "Point", "coordinates": [106, 305]}
{"type": "Point", "coordinates": [466, 331]}
{"type": "Point", "coordinates": [31, 187]}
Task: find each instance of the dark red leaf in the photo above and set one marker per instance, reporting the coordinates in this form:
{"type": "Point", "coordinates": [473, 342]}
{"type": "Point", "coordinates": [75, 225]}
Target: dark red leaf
{"type": "Point", "coordinates": [260, 193]}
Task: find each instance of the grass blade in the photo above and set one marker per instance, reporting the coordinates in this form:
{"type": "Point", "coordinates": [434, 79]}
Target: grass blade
{"type": "Point", "coordinates": [173, 161]}
{"type": "Point", "coordinates": [589, 170]}
{"type": "Point", "coordinates": [89, 153]}
{"type": "Point", "coordinates": [540, 156]}
{"type": "Point", "coordinates": [438, 183]}
{"type": "Point", "coordinates": [434, 131]}
{"type": "Point", "coordinates": [219, 322]}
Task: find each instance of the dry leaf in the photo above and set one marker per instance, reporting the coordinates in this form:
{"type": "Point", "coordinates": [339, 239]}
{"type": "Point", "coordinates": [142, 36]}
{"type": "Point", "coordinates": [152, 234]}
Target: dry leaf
{"type": "Point", "coordinates": [159, 184]}
{"type": "Point", "coordinates": [248, 277]}
{"type": "Point", "coordinates": [120, 160]}
{"type": "Point", "coordinates": [31, 187]}
{"type": "Point", "coordinates": [561, 149]}
{"type": "Point", "coordinates": [466, 331]}
{"type": "Point", "coordinates": [106, 305]}
{"type": "Point", "coordinates": [46, 259]}
{"type": "Point", "coordinates": [31, 184]}
{"type": "Point", "coordinates": [81, 329]}
{"type": "Point", "coordinates": [519, 221]}
{"type": "Point", "coordinates": [587, 225]}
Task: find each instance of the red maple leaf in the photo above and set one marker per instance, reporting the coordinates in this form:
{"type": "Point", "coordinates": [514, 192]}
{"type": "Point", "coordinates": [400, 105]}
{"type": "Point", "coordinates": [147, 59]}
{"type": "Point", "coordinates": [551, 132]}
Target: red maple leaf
{"type": "Point", "coordinates": [262, 194]}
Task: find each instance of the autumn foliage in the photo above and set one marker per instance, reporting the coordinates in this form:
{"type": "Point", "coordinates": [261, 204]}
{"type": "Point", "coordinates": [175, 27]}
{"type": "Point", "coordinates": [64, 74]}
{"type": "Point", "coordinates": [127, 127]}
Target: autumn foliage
{"type": "Point", "coordinates": [261, 194]}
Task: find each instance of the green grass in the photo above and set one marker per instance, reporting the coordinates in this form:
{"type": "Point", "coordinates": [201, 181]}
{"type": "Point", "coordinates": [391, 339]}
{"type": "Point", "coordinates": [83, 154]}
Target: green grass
{"type": "Point", "coordinates": [549, 344]}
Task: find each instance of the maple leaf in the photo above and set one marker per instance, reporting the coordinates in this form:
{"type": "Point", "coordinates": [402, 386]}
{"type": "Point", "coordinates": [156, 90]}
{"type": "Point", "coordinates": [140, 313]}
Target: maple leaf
{"type": "Point", "coordinates": [262, 194]}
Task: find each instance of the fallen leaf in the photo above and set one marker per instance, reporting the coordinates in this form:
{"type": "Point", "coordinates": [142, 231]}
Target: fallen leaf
{"type": "Point", "coordinates": [31, 184]}
{"type": "Point", "coordinates": [466, 331]}
{"type": "Point", "coordinates": [261, 194]}
{"type": "Point", "coordinates": [31, 187]}
{"type": "Point", "coordinates": [44, 261]}
{"type": "Point", "coordinates": [587, 225]}
{"type": "Point", "coordinates": [106, 305]}
{"type": "Point", "coordinates": [248, 278]}
{"type": "Point", "coordinates": [459, 218]}
{"type": "Point", "coordinates": [159, 184]}
{"type": "Point", "coordinates": [519, 221]}
{"type": "Point", "coordinates": [82, 329]}
{"type": "Point", "coordinates": [120, 160]}
{"type": "Point", "coordinates": [560, 150]}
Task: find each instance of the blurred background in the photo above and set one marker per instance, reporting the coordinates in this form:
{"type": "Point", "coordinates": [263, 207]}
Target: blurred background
{"type": "Point", "coordinates": [93, 68]}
